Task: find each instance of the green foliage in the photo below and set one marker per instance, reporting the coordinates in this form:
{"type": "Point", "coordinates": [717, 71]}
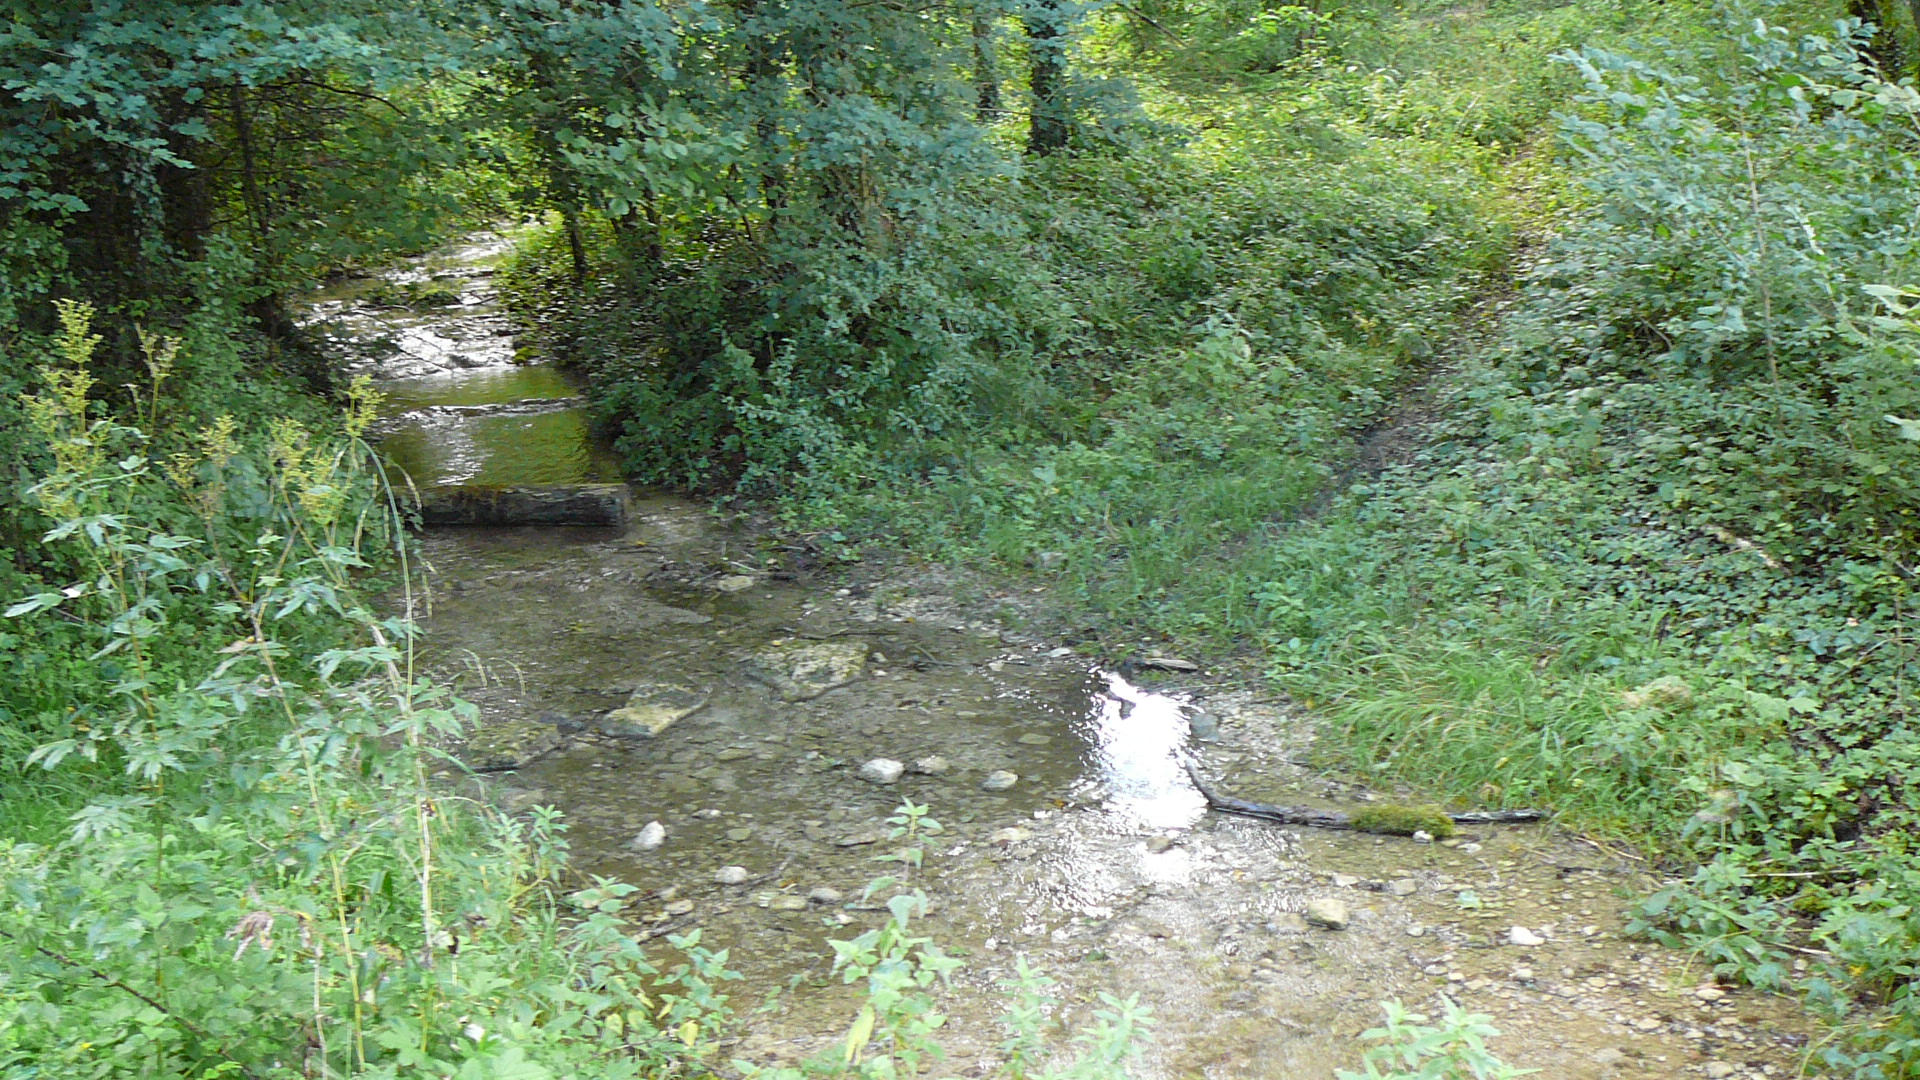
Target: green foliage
{"type": "Point", "coordinates": [1454, 1050]}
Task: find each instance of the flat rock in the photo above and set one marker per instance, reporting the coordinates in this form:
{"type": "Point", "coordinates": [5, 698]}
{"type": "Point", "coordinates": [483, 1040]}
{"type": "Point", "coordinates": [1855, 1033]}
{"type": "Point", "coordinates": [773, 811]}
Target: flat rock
{"type": "Point", "coordinates": [509, 745]}
{"type": "Point", "coordinates": [802, 671]}
{"type": "Point", "coordinates": [882, 771]}
{"type": "Point", "coordinates": [931, 765]}
{"type": "Point", "coordinates": [787, 902]}
{"type": "Point", "coordinates": [1719, 1070]}
{"type": "Point", "coordinates": [679, 907]}
{"type": "Point", "coordinates": [1160, 843]}
{"type": "Point", "coordinates": [1168, 663]}
{"type": "Point", "coordinates": [731, 875]}
{"type": "Point", "coordinates": [1005, 837]}
{"type": "Point", "coordinates": [734, 583]}
{"type": "Point", "coordinates": [651, 709]}
{"type": "Point", "coordinates": [999, 780]}
{"type": "Point", "coordinates": [1328, 912]}
{"type": "Point", "coordinates": [1402, 887]}
{"type": "Point", "coordinates": [1289, 922]}
{"type": "Point", "coordinates": [825, 894]}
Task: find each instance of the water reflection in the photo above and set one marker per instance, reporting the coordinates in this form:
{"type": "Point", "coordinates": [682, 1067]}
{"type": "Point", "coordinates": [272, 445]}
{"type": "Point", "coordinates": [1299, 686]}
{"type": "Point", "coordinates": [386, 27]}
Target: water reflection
{"type": "Point", "coordinates": [1137, 739]}
{"type": "Point", "coordinates": [511, 449]}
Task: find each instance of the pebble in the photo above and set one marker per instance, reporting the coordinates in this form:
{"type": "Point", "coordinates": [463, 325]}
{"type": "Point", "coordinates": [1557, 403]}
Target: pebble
{"type": "Point", "coordinates": [787, 902]}
{"type": "Point", "coordinates": [1422, 836]}
{"type": "Point", "coordinates": [1158, 844]}
{"type": "Point", "coordinates": [680, 907]}
{"type": "Point", "coordinates": [1520, 935]}
{"type": "Point", "coordinates": [826, 894]}
{"type": "Point", "coordinates": [739, 834]}
{"type": "Point", "coordinates": [1403, 887]}
{"type": "Point", "coordinates": [734, 583]}
{"type": "Point", "coordinates": [1416, 930]}
{"type": "Point", "coordinates": [651, 836]}
{"type": "Point", "coordinates": [731, 875]}
{"type": "Point", "coordinates": [1709, 993]}
{"type": "Point", "coordinates": [1719, 1070]}
{"type": "Point", "coordinates": [1523, 974]}
{"type": "Point", "coordinates": [1345, 881]}
{"type": "Point", "coordinates": [931, 765]}
{"type": "Point", "coordinates": [1328, 912]}
{"type": "Point", "coordinates": [1612, 1055]}
{"type": "Point", "coordinates": [882, 770]}
{"type": "Point", "coordinates": [1005, 837]}
{"type": "Point", "coordinates": [999, 780]}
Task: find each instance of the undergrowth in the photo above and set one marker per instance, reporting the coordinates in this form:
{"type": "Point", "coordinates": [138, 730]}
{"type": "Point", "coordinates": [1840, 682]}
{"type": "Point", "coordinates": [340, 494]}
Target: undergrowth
{"type": "Point", "coordinates": [1652, 563]}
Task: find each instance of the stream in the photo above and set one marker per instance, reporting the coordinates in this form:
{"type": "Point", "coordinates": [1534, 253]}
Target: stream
{"type": "Point", "coordinates": [796, 709]}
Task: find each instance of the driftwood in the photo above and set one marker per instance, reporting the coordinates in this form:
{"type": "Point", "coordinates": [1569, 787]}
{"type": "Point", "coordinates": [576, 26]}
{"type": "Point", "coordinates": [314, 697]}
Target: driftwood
{"type": "Point", "coordinates": [1317, 818]}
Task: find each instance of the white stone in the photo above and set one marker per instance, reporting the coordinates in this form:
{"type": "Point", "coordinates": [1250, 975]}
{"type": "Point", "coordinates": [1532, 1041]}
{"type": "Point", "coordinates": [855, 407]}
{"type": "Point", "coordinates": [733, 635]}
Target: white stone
{"type": "Point", "coordinates": [651, 836]}
{"type": "Point", "coordinates": [1520, 935]}
{"type": "Point", "coordinates": [882, 770]}
{"type": "Point", "coordinates": [731, 875]}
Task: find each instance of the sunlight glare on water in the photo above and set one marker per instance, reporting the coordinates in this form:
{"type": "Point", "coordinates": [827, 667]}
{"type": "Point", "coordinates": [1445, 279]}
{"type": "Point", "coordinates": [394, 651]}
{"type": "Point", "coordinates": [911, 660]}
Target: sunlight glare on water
{"type": "Point", "coordinates": [1137, 740]}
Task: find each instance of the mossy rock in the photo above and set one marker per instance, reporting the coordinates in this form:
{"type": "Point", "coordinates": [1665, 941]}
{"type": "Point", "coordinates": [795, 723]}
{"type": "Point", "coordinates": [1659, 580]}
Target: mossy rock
{"type": "Point", "coordinates": [1403, 821]}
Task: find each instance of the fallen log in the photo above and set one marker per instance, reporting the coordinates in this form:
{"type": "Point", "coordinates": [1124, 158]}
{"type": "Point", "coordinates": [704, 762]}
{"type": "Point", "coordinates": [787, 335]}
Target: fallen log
{"type": "Point", "coordinates": [570, 504]}
{"type": "Point", "coordinates": [1390, 819]}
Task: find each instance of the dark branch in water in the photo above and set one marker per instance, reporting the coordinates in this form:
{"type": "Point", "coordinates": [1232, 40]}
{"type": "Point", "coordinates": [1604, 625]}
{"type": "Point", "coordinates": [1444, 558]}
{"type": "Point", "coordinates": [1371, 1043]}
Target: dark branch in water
{"type": "Point", "coordinates": [1387, 819]}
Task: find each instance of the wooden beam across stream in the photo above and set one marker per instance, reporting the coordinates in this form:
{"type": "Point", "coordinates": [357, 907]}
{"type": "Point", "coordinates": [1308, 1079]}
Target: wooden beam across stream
{"type": "Point", "coordinates": [563, 504]}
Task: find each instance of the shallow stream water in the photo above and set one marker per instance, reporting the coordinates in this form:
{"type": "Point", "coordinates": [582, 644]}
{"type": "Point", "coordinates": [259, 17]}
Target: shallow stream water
{"type": "Point", "coordinates": [1100, 862]}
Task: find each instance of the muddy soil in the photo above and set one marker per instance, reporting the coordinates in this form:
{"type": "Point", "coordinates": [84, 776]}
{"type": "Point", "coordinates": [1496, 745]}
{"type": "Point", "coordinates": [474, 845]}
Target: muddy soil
{"type": "Point", "coordinates": [795, 712]}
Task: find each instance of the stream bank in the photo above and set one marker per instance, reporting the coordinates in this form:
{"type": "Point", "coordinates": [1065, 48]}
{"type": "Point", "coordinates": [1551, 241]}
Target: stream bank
{"type": "Point", "coordinates": [754, 813]}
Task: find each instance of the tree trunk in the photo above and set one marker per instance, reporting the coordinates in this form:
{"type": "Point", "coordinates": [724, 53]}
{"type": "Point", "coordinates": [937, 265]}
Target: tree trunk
{"type": "Point", "coordinates": [1047, 129]}
{"type": "Point", "coordinates": [576, 241]}
{"type": "Point", "coordinates": [1884, 47]}
{"type": "Point", "coordinates": [986, 82]}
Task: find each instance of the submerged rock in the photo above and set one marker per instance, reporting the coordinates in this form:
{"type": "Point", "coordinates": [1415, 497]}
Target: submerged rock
{"type": "Point", "coordinates": [999, 780]}
{"type": "Point", "coordinates": [802, 671]}
{"type": "Point", "coordinates": [510, 745]}
{"type": "Point", "coordinates": [652, 708]}
{"type": "Point", "coordinates": [1328, 912]}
